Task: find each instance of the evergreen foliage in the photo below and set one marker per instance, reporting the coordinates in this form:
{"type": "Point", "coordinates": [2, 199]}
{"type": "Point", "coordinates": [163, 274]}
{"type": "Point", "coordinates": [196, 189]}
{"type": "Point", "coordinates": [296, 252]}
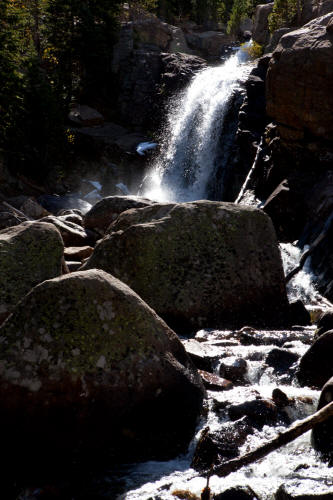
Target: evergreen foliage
{"type": "Point", "coordinates": [284, 14]}
{"type": "Point", "coordinates": [51, 53]}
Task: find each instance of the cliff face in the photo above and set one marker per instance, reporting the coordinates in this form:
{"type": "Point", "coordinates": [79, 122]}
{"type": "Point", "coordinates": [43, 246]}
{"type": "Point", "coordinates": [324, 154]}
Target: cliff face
{"type": "Point", "coordinates": [300, 81]}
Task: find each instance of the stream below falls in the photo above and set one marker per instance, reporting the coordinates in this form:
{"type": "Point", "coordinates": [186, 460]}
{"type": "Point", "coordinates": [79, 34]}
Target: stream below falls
{"type": "Point", "coordinates": [294, 469]}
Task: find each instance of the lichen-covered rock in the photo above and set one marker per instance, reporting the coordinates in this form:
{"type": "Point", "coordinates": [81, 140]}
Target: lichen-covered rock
{"type": "Point", "coordinates": [29, 254]}
{"type": "Point", "coordinates": [198, 264]}
{"type": "Point", "coordinates": [90, 369]}
{"type": "Point", "coordinates": [107, 210]}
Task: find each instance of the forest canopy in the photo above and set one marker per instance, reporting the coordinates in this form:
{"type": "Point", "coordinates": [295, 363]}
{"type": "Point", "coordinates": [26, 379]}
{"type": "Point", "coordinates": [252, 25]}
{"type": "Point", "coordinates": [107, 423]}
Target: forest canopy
{"type": "Point", "coordinates": [52, 52]}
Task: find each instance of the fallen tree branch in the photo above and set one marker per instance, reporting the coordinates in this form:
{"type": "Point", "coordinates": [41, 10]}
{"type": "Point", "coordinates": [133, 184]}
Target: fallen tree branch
{"type": "Point", "coordinates": [281, 439]}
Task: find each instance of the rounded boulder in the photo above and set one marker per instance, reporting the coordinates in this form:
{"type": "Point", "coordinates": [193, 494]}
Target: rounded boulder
{"type": "Point", "coordinates": [198, 264]}
{"type": "Point", "coordinates": [89, 369]}
{"type": "Point", "coordinates": [29, 254]}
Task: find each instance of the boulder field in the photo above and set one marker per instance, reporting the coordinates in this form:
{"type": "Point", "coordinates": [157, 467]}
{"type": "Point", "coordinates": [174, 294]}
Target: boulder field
{"type": "Point", "coordinates": [87, 370]}
{"type": "Point", "coordinates": [199, 264]}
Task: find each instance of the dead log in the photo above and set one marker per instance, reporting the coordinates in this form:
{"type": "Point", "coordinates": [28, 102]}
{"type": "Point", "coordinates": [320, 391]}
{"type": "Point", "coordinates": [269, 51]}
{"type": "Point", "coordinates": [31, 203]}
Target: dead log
{"type": "Point", "coordinates": [281, 439]}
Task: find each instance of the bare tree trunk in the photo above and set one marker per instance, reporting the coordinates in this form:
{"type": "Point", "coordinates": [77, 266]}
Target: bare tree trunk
{"type": "Point", "coordinates": [281, 439]}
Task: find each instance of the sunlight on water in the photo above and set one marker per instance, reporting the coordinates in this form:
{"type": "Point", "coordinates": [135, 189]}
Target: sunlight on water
{"type": "Point", "coordinates": [191, 136]}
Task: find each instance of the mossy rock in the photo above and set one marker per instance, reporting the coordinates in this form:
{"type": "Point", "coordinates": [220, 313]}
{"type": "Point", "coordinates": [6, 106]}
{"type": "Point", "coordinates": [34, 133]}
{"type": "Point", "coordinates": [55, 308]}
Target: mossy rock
{"type": "Point", "coordinates": [29, 254]}
{"type": "Point", "coordinates": [199, 264]}
{"type": "Point", "coordinates": [91, 371]}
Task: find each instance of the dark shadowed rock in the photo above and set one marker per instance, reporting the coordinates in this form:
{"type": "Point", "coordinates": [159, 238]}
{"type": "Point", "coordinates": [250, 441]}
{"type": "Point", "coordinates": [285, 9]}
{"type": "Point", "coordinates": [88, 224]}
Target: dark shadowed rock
{"type": "Point", "coordinates": [280, 398]}
{"type": "Point", "coordinates": [9, 217]}
{"type": "Point", "coordinates": [325, 322]}
{"type": "Point", "coordinates": [281, 359]}
{"type": "Point", "coordinates": [315, 8]}
{"type": "Point", "coordinates": [101, 215]}
{"type": "Point", "coordinates": [234, 370]}
{"type": "Point", "coordinates": [275, 38]}
{"type": "Point", "coordinates": [78, 253]}
{"type": "Point", "coordinates": [72, 234]}
{"type": "Point", "coordinates": [322, 434]}
{"type": "Point", "coordinates": [199, 264]}
{"type": "Point", "coordinates": [29, 254]}
{"type": "Point", "coordinates": [306, 489]}
{"type": "Point", "coordinates": [284, 208]}
{"type": "Point", "coordinates": [259, 411]}
{"type": "Point", "coordinates": [316, 366]}
{"type": "Point", "coordinates": [237, 493]}
{"type": "Point", "coordinates": [92, 371]}
{"type": "Point", "coordinates": [200, 354]}
{"type": "Point", "coordinates": [214, 447]}
{"type": "Point", "coordinates": [84, 115]}
{"type": "Point", "coordinates": [299, 315]}
{"type": "Point", "coordinates": [302, 60]}
{"type": "Point", "coordinates": [73, 265]}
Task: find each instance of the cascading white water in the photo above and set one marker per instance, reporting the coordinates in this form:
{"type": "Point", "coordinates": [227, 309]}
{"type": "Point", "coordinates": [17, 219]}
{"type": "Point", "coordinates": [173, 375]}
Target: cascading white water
{"type": "Point", "coordinates": [192, 133]}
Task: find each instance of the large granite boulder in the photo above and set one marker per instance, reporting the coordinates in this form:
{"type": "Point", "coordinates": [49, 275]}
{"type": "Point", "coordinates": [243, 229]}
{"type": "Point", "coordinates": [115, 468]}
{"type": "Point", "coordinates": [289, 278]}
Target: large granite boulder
{"type": "Point", "coordinates": [300, 80]}
{"type": "Point", "coordinates": [107, 210]}
{"type": "Point", "coordinates": [198, 264]}
{"type": "Point", "coordinates": [29, 254]}
{"type": "Point", "coordinates": [260, 33]}
{"type": "Point", "coordinates": [90, 370]}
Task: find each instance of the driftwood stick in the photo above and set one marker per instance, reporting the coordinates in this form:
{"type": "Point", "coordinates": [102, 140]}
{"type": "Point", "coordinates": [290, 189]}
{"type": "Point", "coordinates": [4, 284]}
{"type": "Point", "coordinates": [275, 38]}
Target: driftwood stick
{"type": "Point", "coordinates": [281, 439]}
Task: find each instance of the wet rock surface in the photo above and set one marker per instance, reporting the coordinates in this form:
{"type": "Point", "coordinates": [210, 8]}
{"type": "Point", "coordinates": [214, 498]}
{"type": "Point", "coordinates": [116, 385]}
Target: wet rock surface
{"type": "Point", "coordinates": [215, 447]}
{"type": "Point", "coordinates": [201, 355]}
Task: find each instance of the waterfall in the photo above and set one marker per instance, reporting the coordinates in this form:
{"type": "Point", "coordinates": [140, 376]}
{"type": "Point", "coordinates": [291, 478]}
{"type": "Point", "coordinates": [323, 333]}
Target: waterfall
{"type": "Point", "coordinates": [191, 137]}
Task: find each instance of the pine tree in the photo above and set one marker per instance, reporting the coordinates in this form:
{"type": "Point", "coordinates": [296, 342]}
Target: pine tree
{"type": "Point", "coordinates": [238, 13]}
